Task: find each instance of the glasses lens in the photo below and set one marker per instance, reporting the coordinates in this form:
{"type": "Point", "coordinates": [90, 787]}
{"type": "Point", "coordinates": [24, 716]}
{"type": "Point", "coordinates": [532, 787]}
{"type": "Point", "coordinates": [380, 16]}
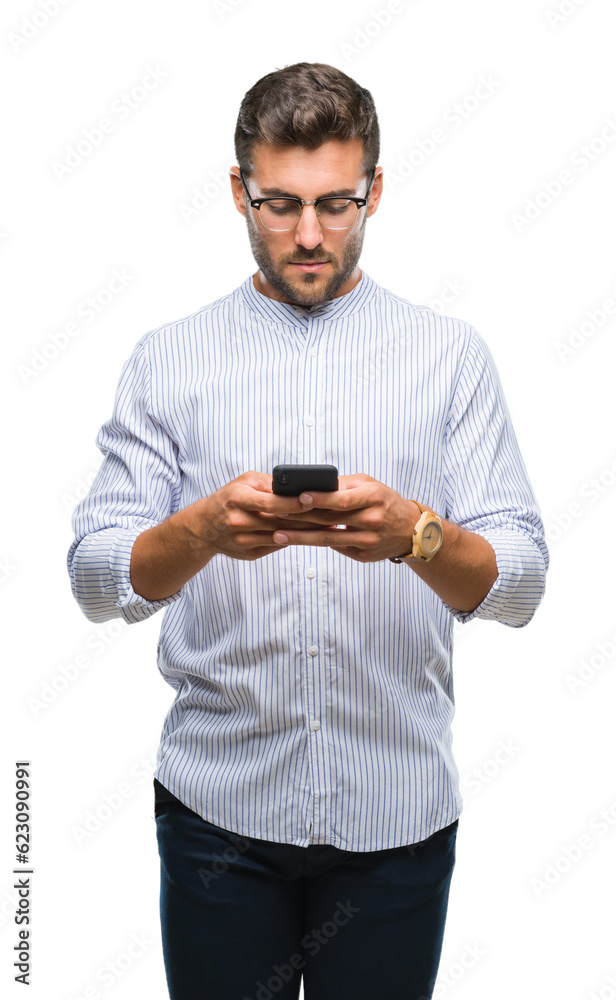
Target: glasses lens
{"type": "Point", "coordinates": [280, 214]}
{"type": "Point", "coordinates": [337, 213]}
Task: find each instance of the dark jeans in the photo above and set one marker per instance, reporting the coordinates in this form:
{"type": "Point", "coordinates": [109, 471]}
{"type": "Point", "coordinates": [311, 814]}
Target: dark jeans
{"type": "Point", "coordinates": [244, 919]}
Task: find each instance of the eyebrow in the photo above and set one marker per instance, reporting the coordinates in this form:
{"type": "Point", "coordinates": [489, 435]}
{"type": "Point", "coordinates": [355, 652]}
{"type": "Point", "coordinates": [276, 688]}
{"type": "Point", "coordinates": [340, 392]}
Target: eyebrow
{"type": "Point", "coordinates": [279, 193]}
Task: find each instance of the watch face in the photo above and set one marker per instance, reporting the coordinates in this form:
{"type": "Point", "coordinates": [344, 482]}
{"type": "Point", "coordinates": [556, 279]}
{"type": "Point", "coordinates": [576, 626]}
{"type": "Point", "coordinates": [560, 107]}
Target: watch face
{"type": "Point", "coordinates": [431, 537]}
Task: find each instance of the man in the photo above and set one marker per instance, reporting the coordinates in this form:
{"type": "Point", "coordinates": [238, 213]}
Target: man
{"type": "Point", "coordinates": [306, 796]}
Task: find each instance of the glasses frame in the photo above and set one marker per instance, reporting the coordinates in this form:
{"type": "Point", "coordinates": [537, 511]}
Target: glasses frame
{"type": "Point", "coordinates": [360, 202]}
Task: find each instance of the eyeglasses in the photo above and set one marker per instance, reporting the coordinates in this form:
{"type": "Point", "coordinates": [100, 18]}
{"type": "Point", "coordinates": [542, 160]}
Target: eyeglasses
{"type": "Point", "coordinates": [280, 215]}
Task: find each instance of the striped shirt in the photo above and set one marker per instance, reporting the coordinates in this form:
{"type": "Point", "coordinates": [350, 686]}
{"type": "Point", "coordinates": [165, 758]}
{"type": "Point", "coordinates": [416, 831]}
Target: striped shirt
{"type": "Point", "coordinates": [313, 693]}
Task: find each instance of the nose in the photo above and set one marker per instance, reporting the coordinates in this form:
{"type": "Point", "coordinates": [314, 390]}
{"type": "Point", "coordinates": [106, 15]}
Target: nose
{"type": "Point", "coordinates": [308, 231]}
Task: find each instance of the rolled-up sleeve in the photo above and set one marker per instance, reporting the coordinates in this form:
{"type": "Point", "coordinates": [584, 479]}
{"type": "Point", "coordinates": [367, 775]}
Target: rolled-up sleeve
{"type": "Point", "coordinates": [488, 490]}
{"type": "Point", "coordinates": [137, 486]}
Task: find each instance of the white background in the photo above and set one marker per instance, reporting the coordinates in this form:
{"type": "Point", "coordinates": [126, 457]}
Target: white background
{"type": "Point", "coordinates": [529, 915]}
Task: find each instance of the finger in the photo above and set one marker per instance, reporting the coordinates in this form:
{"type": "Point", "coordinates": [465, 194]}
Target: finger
{"type": "Point", "coordinates": [270, 503]}
{"type": "Point", "coordinates": [354, 480]}
{"type": "Point", "coordinates": [261, 481]}
{"type": "Point", "coordinates": [345, 499]}
{"type": "Point", "coordinates": [324, 518]}
{"type": "Point", "coordinates": [327, 535]}
{"type": "Point", "coordinates": [284, 521]}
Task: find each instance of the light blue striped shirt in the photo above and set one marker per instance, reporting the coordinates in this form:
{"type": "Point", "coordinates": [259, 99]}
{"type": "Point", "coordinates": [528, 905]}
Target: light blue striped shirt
{"type": "Point", "coordinates": [313, 693]}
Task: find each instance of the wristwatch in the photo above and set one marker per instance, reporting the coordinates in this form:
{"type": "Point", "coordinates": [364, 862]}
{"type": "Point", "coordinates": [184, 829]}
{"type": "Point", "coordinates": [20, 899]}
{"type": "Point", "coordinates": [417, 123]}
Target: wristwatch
{"type": "Point", "coordinates": [427, 536]}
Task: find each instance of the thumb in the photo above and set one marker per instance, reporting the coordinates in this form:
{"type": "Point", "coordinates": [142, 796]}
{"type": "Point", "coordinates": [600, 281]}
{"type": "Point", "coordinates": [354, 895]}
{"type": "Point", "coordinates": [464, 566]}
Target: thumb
{"type": "Point", "coordinates": [261, 481]}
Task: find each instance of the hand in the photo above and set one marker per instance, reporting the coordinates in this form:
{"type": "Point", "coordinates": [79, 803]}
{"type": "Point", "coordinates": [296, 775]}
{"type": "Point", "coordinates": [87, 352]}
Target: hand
{"type": "Point", "coordinates": [378, 522]}
{"type": "Point", "coordinates": [239, 519]}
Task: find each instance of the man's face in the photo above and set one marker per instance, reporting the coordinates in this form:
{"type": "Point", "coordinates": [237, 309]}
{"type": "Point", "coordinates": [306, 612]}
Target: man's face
{"type": "Point", "coordinates": [333, 168]}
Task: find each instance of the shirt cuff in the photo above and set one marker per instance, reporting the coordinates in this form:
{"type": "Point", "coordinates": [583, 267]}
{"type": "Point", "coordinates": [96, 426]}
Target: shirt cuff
{"type": "Point", "coordinates": [520, 585]}
{"type": "Point", "coordinates": [133, 607]}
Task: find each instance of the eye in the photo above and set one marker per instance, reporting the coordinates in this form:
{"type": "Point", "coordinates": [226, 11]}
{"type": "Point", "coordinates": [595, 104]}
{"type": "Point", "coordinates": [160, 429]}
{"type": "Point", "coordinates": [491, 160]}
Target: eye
{"type": "Point", "coordinates": [280, 207]}
{"type": "Point", "coordinates": [336, 206]}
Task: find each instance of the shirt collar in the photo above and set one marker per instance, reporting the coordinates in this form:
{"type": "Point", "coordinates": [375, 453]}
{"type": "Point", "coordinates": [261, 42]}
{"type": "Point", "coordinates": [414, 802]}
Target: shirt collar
{"type": "Point", "coordinates": [292, 315]}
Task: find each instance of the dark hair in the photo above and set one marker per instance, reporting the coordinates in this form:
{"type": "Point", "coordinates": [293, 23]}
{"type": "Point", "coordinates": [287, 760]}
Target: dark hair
{"type": "Point", "coordinates": [306, 105]}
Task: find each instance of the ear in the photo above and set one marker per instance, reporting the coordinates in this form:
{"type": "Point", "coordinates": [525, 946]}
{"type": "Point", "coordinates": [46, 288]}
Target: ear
{"type": "Point", "coordinates": [375, 194]}
{"type": "Point", "coordinates": [237, 190]}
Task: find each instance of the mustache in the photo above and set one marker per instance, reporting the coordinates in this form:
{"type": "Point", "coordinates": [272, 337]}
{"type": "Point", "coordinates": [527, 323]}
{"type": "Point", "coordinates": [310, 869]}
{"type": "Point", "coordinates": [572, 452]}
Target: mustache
{"type": "Point", "coordinates": [308, 258]}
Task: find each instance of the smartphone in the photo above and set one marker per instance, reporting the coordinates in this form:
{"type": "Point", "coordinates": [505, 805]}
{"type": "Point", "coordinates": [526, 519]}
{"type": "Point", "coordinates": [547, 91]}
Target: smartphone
{"type": "Point", "coordinates": [291, 480]}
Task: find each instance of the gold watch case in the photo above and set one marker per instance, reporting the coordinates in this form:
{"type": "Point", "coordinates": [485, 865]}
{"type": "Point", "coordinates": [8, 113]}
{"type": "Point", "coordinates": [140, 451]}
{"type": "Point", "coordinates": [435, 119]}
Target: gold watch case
{"type": "Point", "coordinates": [427, 536]}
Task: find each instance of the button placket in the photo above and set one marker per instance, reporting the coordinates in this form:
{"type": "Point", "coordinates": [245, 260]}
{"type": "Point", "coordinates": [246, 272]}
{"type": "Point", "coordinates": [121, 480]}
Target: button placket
{"type": "Point", "coordinates": [313, 451]}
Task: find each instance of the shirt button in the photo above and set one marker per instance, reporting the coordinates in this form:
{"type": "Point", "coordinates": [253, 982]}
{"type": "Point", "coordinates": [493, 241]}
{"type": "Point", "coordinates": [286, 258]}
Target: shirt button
{"type": "Point", "coordinates": [313, 650]}
{"type": "Point", "coordinates": [311, 572]}
{"type": "Point", "coordinates": [309, 421]}
{"type": "Point", "coordinates": [315, 725]}
{"type": "Point", "coordinates": [312, 352]}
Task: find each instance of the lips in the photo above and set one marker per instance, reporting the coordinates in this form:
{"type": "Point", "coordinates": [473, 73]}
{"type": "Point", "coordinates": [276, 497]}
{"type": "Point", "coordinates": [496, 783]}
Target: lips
{"type": "Point", "coordinates": [310, 265]}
